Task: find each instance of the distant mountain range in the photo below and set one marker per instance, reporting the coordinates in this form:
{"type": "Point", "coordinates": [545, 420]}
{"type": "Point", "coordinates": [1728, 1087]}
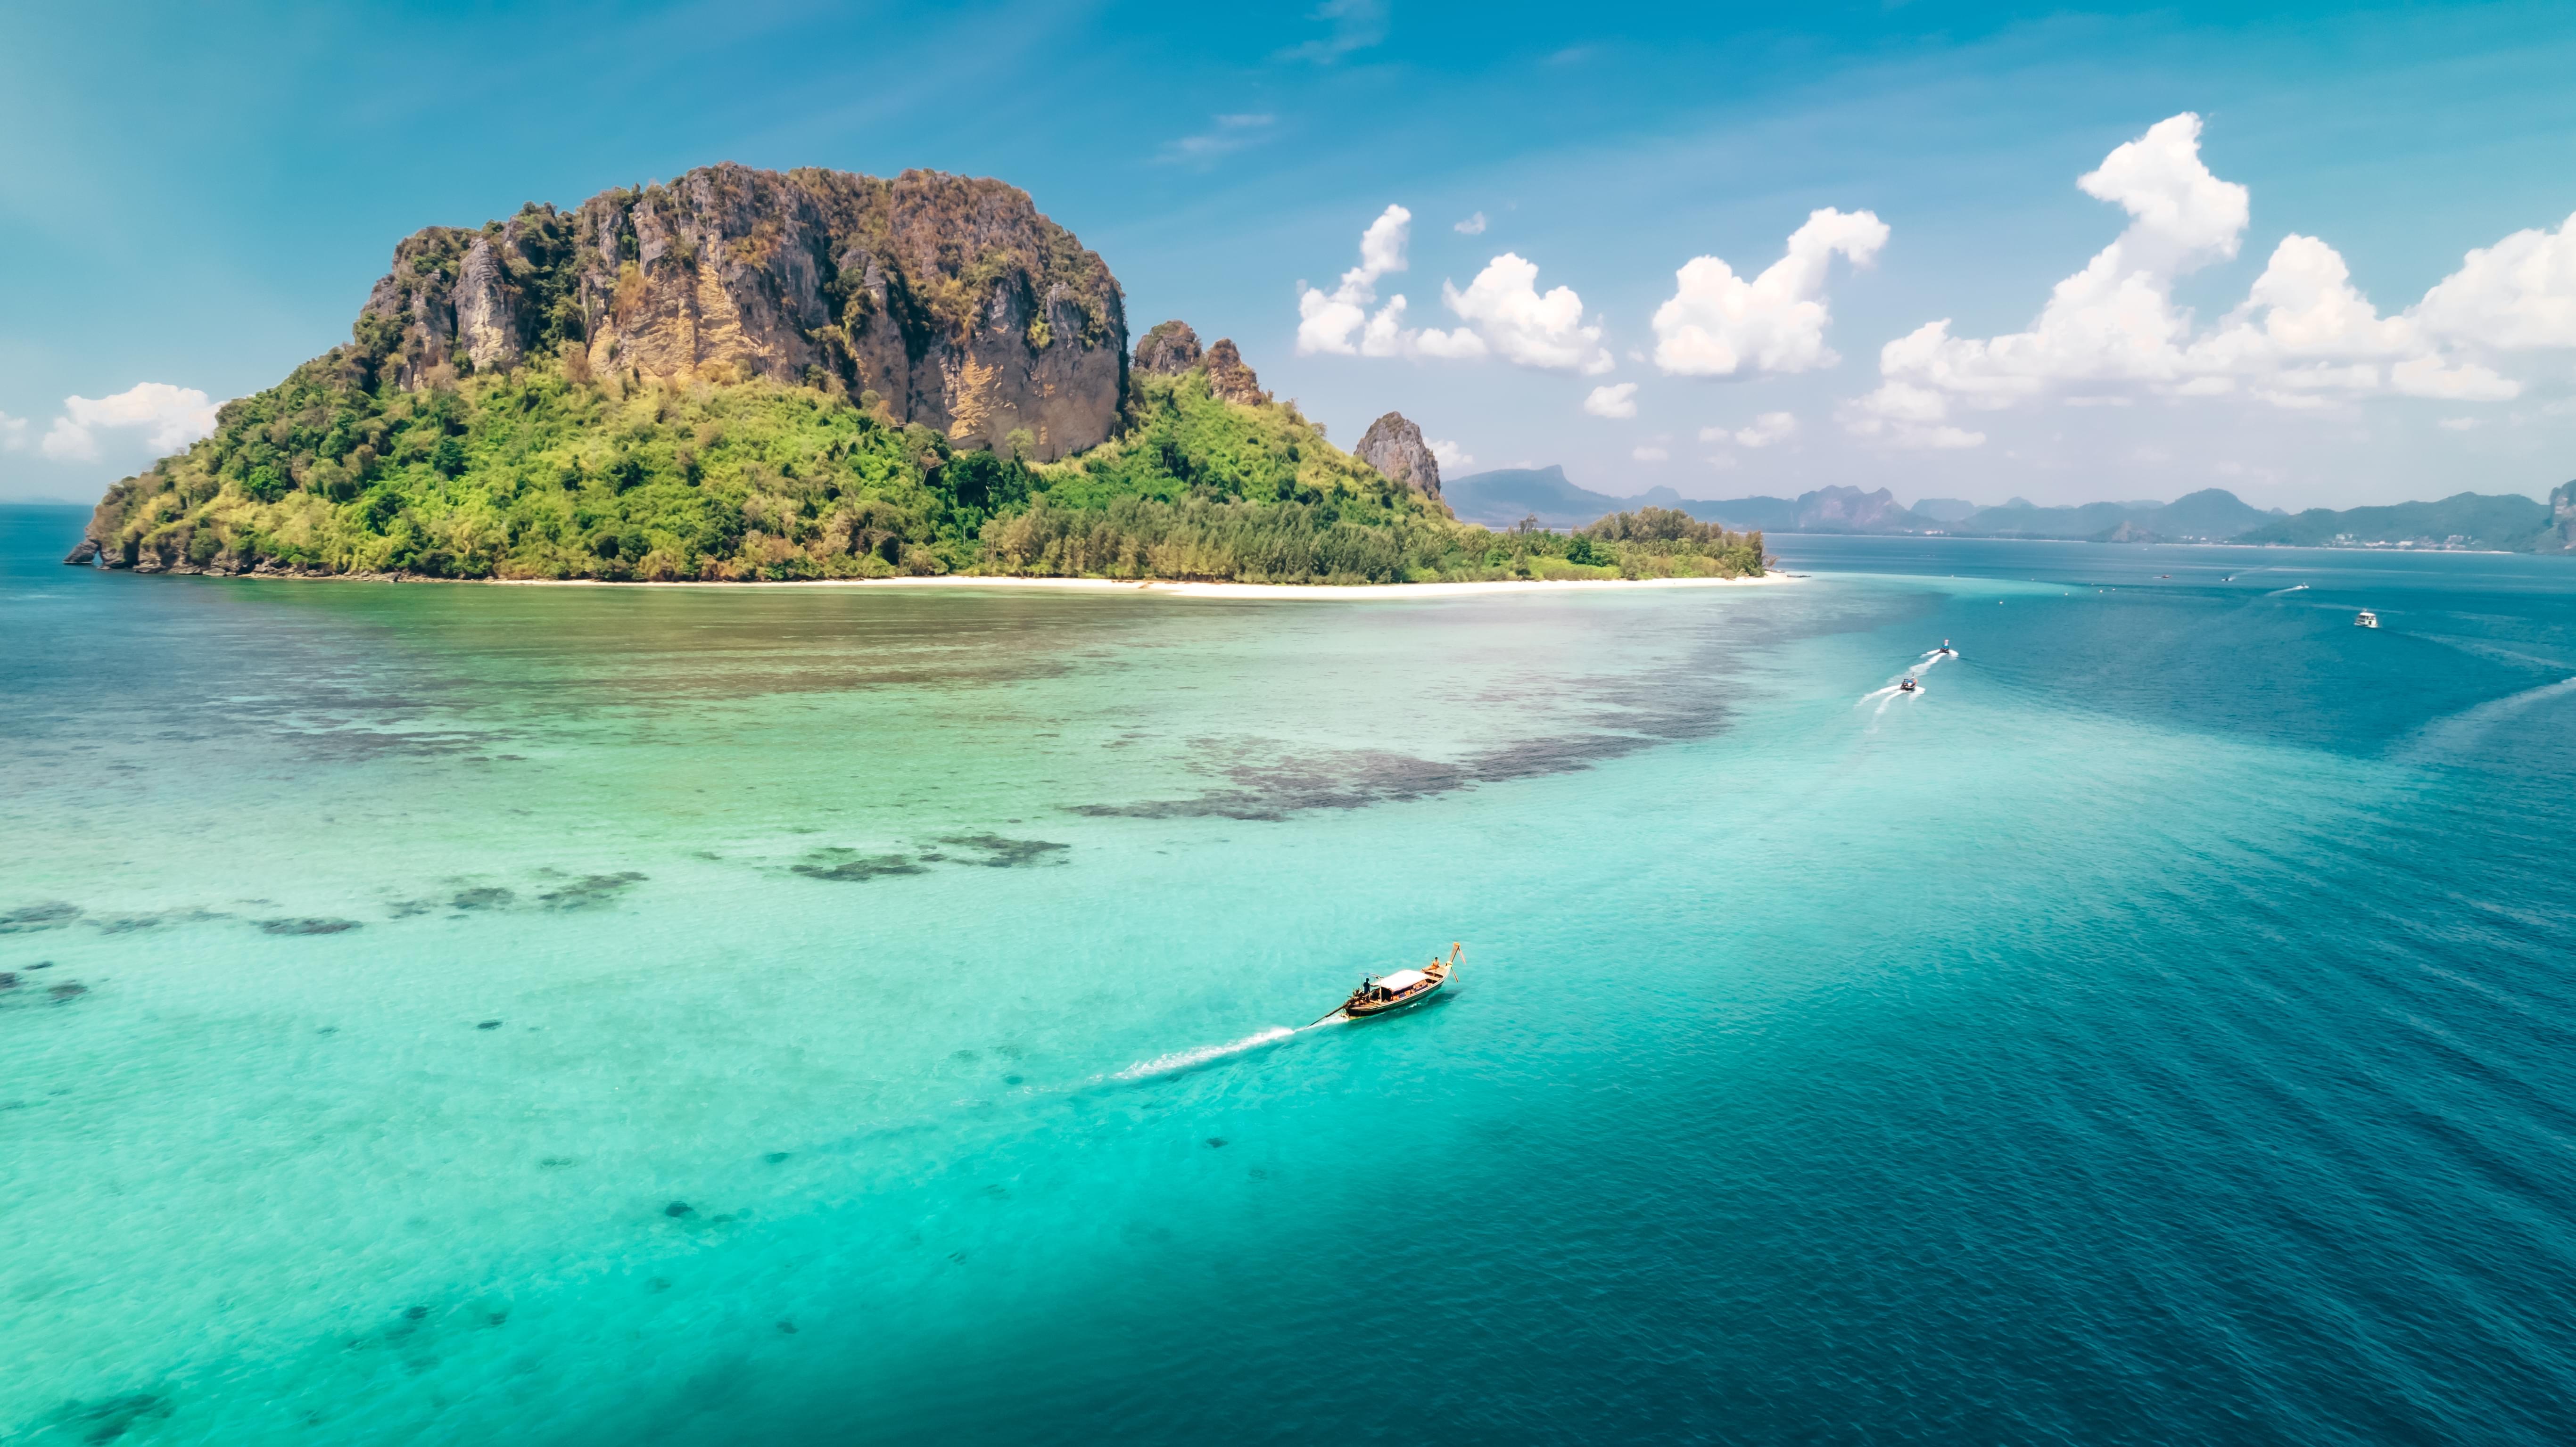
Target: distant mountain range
{"type": "Point", "coordinates": [2506, 522]}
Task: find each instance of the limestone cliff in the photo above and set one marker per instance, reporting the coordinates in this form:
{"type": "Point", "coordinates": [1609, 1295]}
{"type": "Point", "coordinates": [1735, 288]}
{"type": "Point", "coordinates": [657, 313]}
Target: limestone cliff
{"type": "Point", "coordinates": [1170, 349]}
{"type": "Point", "coordinates": [2560, 535]}
{"type": "Point", "coordinates": [1229, 378]}
{"type": "Point", "coordinates": [949, 297]}
{"type": "Point", "coordinates": [1395, 447]}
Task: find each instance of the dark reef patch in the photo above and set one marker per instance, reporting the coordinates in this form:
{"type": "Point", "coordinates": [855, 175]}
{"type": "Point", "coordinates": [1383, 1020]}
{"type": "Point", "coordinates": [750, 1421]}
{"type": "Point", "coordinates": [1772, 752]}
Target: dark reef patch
{"type": "Point", "coordinates": [1575, 722]}
{"type": "Point", "coordinates": [987, 851]}
{"type": "Point", "coordinates": [1002, 853]}
{"type": "Point", "coordinates": [123, 924]}
{"type": "Point", "coordinates": [112, 1418]}
{"type": "Point", "coordinates": [590, 891]}
{"type": "Point", "coordinates": [304, 926]}
{"type": "Point", "coordinates": [486, 897]}
{"type": "Point", "coordinates": [850, 866]}
{"type": "Point", "coordinates": [42, 915]}
{"type": "Point", "coordinates": [68, 990]}
{"type": "Point", "coordinates": [1269, 783]}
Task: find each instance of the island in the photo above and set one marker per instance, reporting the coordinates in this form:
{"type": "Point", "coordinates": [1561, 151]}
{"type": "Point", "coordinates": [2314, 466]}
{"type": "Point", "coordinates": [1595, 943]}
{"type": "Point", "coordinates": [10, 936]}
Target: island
{"type": "Point", "coordinates": [753, 376]}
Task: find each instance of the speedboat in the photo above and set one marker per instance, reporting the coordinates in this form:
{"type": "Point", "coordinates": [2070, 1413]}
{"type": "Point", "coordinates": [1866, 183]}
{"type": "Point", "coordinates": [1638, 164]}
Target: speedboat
{"type": "Point", "coordinates": [2365, 619]}
{"type": "Point", "coordinates": [1404, 988]}
{"type": "Point", "coordinates": [1945, 647]}
{"type": "Point", "coordinates": [1908, 686]}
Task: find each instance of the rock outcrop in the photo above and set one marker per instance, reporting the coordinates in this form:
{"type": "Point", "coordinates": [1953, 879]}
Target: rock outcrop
{"type": "Point", "coordinates": [1849, 510]}
{"type": "Point", "coordinates": [1229, 378]}
{"type": "Point", "coordinates": [949, 297]}
{"type": "Point", "coordinates": [1169, 349]}
{"type": "Point", "coordinates": [1395, 447]}
{"type": "Point", "coordinates": [2560, 535]}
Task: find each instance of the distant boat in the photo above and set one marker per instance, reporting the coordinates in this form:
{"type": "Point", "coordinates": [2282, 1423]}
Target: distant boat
{"type": "Point", "coordinates": [1400, 990]}
{"type": "Point", "coordinates": [1945, 647]}
{"type": "Point", "coordinates": [2365, 619]}
{"type": "Point", "coordinates": [1908, 686]}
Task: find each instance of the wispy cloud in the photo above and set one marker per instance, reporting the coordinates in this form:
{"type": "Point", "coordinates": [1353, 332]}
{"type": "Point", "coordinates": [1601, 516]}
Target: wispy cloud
{"type": "Point", "coordinates": [1472, 226]}
{"type": "Point", "coordinates": [1225, 135]}
{"type": "Point", "coordinates": [1357, 25]}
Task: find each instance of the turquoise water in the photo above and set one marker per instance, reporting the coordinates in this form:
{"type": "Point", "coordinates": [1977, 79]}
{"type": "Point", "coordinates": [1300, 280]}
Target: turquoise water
{"type": "Point", "coordinates": [573, 1016]}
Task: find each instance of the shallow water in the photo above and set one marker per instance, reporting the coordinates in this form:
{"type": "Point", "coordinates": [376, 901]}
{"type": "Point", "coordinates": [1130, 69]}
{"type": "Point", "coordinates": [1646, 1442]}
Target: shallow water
{"type": "Point", "coordinates": [725, 1017]}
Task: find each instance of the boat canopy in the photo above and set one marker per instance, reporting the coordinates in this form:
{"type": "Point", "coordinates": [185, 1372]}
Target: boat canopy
{"type": "Point", "coordinates": [1401, 981]}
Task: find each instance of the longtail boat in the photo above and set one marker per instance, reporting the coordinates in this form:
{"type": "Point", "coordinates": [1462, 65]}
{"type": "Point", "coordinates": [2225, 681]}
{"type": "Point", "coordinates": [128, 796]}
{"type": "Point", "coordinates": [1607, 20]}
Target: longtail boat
{"type": "Point", "coordinates": [1404, 988]}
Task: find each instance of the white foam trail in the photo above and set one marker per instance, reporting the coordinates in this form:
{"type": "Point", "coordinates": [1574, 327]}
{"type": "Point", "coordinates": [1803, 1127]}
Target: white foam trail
{"type": "Point", "coordinates": [2459, 731]}
{"type": "Point", "coordinates": [2293, 588]}
{"type": "Point", "coordinates": [1187, 1059]}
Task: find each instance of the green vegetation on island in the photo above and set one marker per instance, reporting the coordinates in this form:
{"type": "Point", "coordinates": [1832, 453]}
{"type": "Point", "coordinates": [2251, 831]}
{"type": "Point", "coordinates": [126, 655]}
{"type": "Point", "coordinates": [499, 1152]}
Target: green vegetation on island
{"type": "Point", "coordinates": [529, 473]}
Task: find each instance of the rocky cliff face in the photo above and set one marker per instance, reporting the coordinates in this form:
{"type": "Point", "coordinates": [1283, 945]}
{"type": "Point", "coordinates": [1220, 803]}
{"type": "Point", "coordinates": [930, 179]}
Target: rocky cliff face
{"type": "Point", "coordinates": [1395, 447]}
{"type": "Point", "coordinates": [1229, 378]}
{"type": "Point", "coordinates": [2560, 535]}
{"type": "Point", "coordinates": [950, 298]}
{"type": "Point", "coordinates": [1170, 349]}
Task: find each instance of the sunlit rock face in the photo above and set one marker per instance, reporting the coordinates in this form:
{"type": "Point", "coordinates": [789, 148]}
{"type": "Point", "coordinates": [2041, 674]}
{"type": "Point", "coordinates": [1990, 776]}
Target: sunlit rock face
{"type": "Point", "coordinates": [950, 298]}
{"type": "Point", "coordinates": [1394, 446]}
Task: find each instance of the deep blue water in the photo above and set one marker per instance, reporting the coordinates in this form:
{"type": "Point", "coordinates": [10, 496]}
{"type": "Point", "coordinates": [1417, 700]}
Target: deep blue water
{"type": "Point", "coordinates": [2157, 1030]}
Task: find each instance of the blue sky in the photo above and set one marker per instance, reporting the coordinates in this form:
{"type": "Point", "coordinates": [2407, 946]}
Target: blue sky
{"type": "Point", "coordinates": [192, 201]}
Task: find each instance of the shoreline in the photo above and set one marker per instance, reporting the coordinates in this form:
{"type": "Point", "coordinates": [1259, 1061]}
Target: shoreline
{"type": "Point", "coordinates": [1150, 586]}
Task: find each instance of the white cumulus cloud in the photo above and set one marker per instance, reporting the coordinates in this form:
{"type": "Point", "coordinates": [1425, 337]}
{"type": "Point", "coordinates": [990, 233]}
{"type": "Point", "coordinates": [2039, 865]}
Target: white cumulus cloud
{"type": "Point", "coordinates": [2517, 294]}
{"type": "Point", "coordinates": [168, 417]}
{"type": "Point", "coordinates": [1472, 226]}
{"type": "Point", "coordinates": [1520, 325]}
{"type": "Point", "coordinates": [13, 432]}
{"type": "Point", "coordinates": [1650, 454]}
{"type": "Point", "coordinates": [1503, 311]}
{"type": "Point", "coordinates": [1764, 430]}
{"type": "Point", "coordinates": [2303, 338]}
{"type": "Point", "coordinates": [1327, 319]}
{"type": "Point", "coordinates": [1617, 401]}
{"type": "Point", "coordinates": [1449, 455]}
{"type": "Point", "coordinates": [1719, 324]}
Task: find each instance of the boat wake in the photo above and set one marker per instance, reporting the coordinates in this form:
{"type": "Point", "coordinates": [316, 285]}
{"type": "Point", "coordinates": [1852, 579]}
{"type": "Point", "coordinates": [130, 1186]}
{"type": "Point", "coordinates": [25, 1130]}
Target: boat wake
{"type": "Point", "coordinates": [1180, 1061]}
{"type": "Point", "coordinates": [1886, 697]}
{"type": "Point", "coordinates": [2442, 738]}
{"type": "Point", "coordinates": [2293, 588]}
